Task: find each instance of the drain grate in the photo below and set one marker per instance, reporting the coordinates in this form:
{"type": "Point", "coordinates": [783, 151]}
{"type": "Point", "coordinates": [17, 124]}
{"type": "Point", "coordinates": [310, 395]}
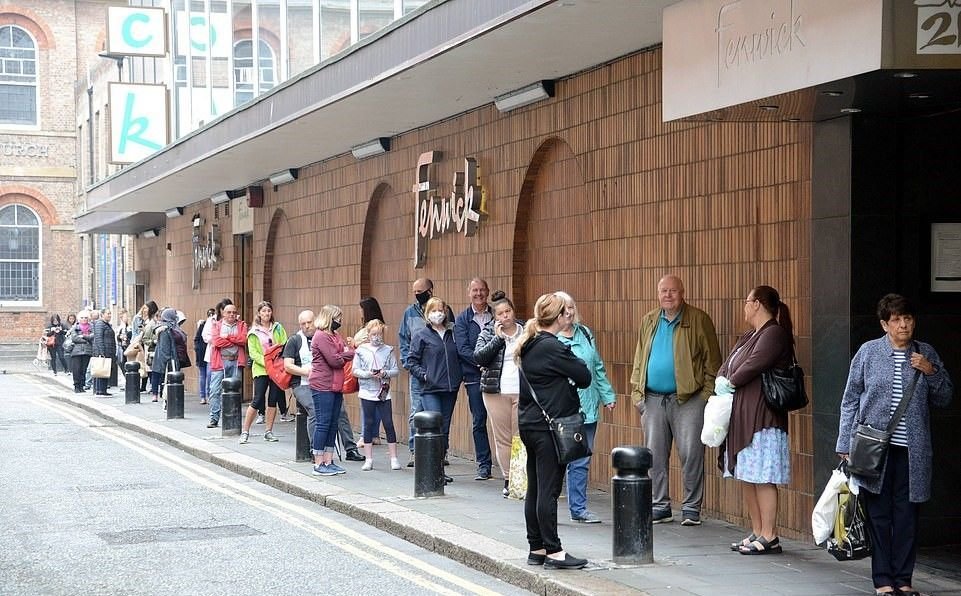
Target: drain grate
{"type": "Point", "coordinates": [177, 534]}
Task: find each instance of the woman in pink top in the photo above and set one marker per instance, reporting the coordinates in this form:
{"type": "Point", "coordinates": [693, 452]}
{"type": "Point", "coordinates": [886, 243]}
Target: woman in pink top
{"type": "Point", "coordinates": [330, 354]}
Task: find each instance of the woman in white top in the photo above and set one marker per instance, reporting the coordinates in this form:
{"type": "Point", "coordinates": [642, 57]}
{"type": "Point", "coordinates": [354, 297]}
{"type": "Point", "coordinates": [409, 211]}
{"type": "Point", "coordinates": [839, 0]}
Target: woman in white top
{"type": "Point", "coordinates": [374, 367]}
{"type": "Point", "coordinates": [500, 382]}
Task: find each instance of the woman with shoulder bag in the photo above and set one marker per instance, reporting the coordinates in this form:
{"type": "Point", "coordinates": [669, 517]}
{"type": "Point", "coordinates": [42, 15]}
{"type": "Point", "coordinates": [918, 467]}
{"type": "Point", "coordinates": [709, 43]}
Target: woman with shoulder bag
{"type": "Point", "coordinates": [55, 335]}
{"type": "Point", "coordinates": [756, 448]}
{"type": "Point", "coordinates": [552, 371]}
{"type": "Point", "coordinates": [883, 373]}
{"type": "Point", "coordinates": [81, 340]}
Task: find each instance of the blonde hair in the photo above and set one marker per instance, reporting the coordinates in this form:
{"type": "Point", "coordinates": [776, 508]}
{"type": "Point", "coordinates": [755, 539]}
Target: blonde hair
{"type": "Point", "coordinates": [546, 310]}
{"type": "Point", "coordinates": [374, 324]}
{"type": "Point", "coordinates": [435, 304]}
{"type": "Point", "coordinates": [327, 314]}
{"type": "Point", "coordinates": [569, 300]}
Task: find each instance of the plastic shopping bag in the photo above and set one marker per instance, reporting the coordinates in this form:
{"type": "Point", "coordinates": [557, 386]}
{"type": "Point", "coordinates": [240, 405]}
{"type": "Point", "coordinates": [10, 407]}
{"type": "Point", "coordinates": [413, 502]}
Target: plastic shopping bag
{"type": "Point", "coordinates": [826, 510]}
{"type": "Point", "coordinates": [717, 418]}
{"type": "Point", "coordinates": [517, 485]}
{"type": "Point", "coordinates": [850, 539]}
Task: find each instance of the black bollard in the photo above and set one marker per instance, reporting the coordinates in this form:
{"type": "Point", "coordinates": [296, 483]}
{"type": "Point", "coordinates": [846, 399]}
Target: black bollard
{"type": "Point", "coordinates": [131, 389]}
{"type": "Point", "coordinates": [302, 442]}
{"type": "Point", "coordinates": [631, 501]}
{"type": "Point", "coordinates": [174, 390]}
{"type": "Point", "coordinates": [231, 392]}
{"type": "Point", "coordinates": [428, 454]}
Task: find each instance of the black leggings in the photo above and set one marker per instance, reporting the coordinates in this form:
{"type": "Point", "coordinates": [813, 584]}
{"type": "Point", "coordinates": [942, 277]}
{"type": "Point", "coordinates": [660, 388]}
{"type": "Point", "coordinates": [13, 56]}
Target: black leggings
{"type": "Point", "coordinates": [264, 387]}
{"type": "Point", "coordinates": [57, 355]}
{"type": "Point", "coordinates": [544, 478]}
{"type": "Point", "coordinates": [78, 366]}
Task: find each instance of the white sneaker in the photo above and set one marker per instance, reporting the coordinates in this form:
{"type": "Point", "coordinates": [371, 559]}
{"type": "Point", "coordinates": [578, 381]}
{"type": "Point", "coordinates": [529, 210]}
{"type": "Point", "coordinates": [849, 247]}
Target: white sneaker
{"type": "Point", "coordinates": [394, 463]}
{"type": "Point", "coordinates": [260, 419]}
{"type": "Point", "coordinates": [368, 465]}
{"type": "Point", "coordinates": [244, 437]}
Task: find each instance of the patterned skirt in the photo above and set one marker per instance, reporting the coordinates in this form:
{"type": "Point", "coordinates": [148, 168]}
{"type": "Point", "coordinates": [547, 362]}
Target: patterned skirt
{"type": "Point", "coordinates": [766, 460]}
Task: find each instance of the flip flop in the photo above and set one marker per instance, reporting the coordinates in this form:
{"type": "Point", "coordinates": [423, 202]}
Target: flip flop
{"type": "Point", "coordinates": [737, 545]}
{"type": "Point", "coordinates": [766, 548]}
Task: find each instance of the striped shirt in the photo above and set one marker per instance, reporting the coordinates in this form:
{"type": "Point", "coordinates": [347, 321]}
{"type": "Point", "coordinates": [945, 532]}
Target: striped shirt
{"type": "Point", "coordinates": [900, 434]}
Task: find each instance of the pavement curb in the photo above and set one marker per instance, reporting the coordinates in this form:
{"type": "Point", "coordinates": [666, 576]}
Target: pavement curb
{"type": "Point", "coordinates": [497, 559]}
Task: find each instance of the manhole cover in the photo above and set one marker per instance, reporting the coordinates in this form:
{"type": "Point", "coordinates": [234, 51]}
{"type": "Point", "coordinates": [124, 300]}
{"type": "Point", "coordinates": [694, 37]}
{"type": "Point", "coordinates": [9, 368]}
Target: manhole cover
{"type": "Point", "coordinates": [177, 534]}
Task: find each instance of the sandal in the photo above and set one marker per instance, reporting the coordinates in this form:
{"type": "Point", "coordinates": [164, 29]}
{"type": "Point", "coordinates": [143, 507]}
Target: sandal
{"type": "Point", "coordinates": [762, 547]}
{"type": "Point", "coordinates": [737, 545]}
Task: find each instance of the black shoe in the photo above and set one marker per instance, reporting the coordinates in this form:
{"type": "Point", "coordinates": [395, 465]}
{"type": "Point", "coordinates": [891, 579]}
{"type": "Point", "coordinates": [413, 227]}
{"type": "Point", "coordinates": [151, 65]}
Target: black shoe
{"type": "Point", "coordinates": [353, 455]}
{"type": "Point", "coordinates": [447, 479]}
{"type": "Point", "coordinates": [410, 464]}
{"type": "Point", "coordinates": [212, 424]}
{"type": "Point", "coordinates": [568, 562]}
{"type": "Point", "coordinates": [535, 559]}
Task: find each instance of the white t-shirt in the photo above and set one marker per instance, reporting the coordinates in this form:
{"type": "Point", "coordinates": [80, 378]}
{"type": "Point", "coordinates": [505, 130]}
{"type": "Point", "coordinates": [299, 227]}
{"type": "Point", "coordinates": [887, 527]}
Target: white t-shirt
{"type": "Point", "coordinates": [510, 379]}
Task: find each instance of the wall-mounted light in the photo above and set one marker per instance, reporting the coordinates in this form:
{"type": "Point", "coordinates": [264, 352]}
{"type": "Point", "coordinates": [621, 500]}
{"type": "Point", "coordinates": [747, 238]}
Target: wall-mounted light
{"type": "Point", "coordinates": [151, 233]}
{"type": "Point", "coordinates": [524, 96]}
{"type": "Point", "coordinates": [197, 221]}
{"type": "Point", "coordinates": [221, 197]}
{"type": "Point", "coordinates": [174, 212]}
{"type": "Point", "coordinates": [372, 147]}
{"type": "Point", "coordinates": [283, 177]}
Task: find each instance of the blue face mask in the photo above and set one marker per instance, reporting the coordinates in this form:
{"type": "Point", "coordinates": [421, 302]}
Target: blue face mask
{"type": "Point", "coordinates": [376, 340]}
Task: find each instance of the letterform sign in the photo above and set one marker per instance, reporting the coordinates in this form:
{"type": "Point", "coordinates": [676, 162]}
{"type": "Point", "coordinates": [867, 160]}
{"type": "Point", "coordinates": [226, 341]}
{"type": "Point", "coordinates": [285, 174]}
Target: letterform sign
{"type": "Point", "coordinates": [138, 121]}
{"type": "Point", "coordinates": [939, 26]}
{"type": "Point", "coordinates": [435, 215]}
{"type": "Point", "coordinates": [136, 31]}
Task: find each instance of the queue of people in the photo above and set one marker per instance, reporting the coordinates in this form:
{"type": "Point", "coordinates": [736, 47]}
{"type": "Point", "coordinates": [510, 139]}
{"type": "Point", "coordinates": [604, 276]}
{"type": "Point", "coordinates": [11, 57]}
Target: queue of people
{"type": "Point", "coordinates": [503, 362]}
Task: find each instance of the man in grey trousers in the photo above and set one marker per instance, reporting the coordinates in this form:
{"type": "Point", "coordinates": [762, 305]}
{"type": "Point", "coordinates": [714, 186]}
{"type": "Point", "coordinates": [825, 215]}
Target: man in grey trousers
{"type": "Point", "coordinates": [675, 364]}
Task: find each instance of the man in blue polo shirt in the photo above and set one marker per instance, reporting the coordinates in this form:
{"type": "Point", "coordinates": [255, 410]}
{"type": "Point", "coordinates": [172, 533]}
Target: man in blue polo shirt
{"type": "Point", "coordinates": [675, 363]}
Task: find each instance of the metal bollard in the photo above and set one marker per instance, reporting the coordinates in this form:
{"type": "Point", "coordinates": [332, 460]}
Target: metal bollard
{"type": "Point", "coordinates": [175, 394]}
{"type": "Point", "coordinates": [231, 393]}
{"type": "Point", "coordinates": [131, 389]}
{"type": "Point", "coordinates": [631, 501]}
{"type": "Point", "coordinates": [302, 442]}
{"type": "Point", "coordinates": [428, 454]}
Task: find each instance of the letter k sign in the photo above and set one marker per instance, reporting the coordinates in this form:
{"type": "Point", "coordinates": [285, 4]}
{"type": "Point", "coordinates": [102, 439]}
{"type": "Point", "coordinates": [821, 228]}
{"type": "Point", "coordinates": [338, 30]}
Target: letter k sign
{"type": "Point", "coordinates": [139, 121]}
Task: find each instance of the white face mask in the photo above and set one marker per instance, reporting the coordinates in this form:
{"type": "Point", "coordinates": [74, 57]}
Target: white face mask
{"type": "Point", "coordinates": [376, 340]}
{"type": "Point", "coordinates": [436, 317]}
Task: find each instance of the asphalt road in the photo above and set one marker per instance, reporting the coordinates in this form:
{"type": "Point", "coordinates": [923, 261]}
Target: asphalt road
{"type": "Point", "coordinates": [89, 508]}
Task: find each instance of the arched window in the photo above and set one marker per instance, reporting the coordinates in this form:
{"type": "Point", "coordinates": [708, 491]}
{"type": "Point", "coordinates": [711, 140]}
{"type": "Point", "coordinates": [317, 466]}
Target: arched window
{"type": "Point", "coordinates": [18, 77]}
{"type": "Point", "coordinates": [244, 72]}
{"type": "Point", "coordinates": [19, 254]}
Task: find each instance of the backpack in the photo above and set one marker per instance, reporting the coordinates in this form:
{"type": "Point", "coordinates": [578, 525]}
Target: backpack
{"type": "Point", "coordinates": [274, 363]}
{"type": "Point", "coordinates": [180, 344]}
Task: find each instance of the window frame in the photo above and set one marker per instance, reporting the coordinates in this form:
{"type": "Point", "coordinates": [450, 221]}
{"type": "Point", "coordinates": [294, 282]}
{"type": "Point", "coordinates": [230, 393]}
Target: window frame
{"type": "Point", "coordinates": [4, 302]}
{"type": "Point", "coordinates": [36, 82]}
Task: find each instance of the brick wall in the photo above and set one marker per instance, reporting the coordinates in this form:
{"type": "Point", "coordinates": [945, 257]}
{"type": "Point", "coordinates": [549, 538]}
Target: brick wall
{"type": "Point", "coordinates": [590, 193]}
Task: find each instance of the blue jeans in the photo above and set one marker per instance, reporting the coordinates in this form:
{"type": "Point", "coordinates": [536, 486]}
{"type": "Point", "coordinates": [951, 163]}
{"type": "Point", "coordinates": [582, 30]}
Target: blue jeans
{"type": "Point", "coordinates": [416, 405]}
{"type": "Point", "coordinates": [443, 402]}
{"type": "Point", "coordinates": [578, 472]}
{"type": "Point", "coordinates": [478, 412]}
{"type": "Point", "coordinates": [327, 406]}
{"type": "Point", "coordinates": [216, 394]}
{"type": "Point", "coordinates": [202, 379]}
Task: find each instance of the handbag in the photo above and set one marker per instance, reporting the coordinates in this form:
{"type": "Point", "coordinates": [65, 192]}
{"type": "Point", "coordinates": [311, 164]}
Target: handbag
{"type": "Point", "coordinates": [570, 442]}
{"type": "Point", "coordinates": [517, 473]}
{"type": "Point", "coordinates": [350, 381]}
{"type": "Point", "coordinates": [870, 445]}
{"type": "Point", "coordinates": [51, 341]}
{"type": "Point", "coordinates": [783, 388]}
{"type": "Point", "coordinates": [825, 514]}
{"type": "Point", "coordinates": [100, 367]}
{"type": "Point", "coordinates": [850, 540]}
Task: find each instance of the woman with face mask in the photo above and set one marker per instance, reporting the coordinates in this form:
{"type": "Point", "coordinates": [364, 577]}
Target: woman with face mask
{"type": "Point", "coordinates": [329, 355]}
{"type": "Point", "coordinates": [433, 360]}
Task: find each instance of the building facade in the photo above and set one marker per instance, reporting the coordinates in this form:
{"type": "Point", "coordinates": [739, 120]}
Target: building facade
{"type": "Point", "coordinates": [416, 153]}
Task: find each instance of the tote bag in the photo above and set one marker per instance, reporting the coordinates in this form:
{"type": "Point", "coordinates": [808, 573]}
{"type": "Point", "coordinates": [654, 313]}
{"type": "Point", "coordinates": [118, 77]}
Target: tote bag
{"type": "Point", "coordinates": [100, 367]}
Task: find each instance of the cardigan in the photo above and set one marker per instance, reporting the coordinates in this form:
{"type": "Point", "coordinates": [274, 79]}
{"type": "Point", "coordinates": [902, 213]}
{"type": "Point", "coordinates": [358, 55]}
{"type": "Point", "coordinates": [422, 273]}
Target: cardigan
{"type": "Point", "coordinates": [867, 400]}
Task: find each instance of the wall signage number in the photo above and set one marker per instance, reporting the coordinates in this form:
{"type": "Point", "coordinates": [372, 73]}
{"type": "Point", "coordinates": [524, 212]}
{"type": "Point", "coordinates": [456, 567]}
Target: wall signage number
{"type": "Point", "coordinates": [939, 26]}
{"type": "Point", "coordinates": [435, 214]}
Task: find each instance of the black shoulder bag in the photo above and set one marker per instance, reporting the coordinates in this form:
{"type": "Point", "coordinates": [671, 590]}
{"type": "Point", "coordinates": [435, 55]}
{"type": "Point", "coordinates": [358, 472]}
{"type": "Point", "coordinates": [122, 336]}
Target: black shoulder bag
{"type": "Point", "coordinates": [870, 445]}
{"type": "Point", "coordinates": [570, 443]}
{"type": "Point", "coordinates": [783, 388]}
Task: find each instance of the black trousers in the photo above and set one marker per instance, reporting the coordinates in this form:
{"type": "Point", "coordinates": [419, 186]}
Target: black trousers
{"type": "Point", "coordinates": [893, 523]}
{"type": "Point", "coordinates": [544, 478]}
{"type": "Point", "coordinates": [78, 366]}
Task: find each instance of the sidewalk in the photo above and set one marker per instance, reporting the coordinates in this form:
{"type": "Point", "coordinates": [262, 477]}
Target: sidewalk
{"type": "Point", "coordinates": [473, 524]}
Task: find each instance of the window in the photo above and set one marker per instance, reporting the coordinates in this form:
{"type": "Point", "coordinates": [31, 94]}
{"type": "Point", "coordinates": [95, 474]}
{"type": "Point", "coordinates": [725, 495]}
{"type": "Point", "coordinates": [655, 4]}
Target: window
{"type": "Point", "coordinates": [244, 70]}
{"type": "Point", "coordinates": [18, 77]}
{"type": "Point", "coordinates": [19, 254]}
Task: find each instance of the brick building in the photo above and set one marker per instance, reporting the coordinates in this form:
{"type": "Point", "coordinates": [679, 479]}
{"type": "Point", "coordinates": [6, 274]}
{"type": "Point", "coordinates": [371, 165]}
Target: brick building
{"type": "Point", "coordinates": [774, 165]}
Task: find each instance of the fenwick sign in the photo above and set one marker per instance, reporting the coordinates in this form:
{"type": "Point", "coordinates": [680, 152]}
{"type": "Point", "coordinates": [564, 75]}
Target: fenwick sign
{"type": "Point", "coordinates": [435, 214]}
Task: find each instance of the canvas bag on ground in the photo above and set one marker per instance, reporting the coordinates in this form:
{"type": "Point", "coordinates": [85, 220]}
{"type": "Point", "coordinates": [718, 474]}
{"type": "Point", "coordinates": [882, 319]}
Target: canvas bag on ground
{"type": "Point", "coordinates": [826, 509]}
{"type": "Point", "coordinates": [100, 367]}
{"type": "Point", "coordinates": [850, 540]}
{"type": "Point", "coordinates": [517, 482]}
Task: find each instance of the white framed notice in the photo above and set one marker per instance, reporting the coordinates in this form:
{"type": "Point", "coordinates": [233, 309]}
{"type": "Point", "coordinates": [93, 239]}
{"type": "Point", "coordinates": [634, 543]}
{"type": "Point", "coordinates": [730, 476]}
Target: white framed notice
{"type": "Point", "coordinates": [946, 257]}
{"type": "Point", "coordinates": [138, 121]}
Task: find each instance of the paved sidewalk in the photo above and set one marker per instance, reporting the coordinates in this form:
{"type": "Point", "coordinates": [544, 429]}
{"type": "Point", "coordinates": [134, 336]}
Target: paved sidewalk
{"type": "Point", "coordinates": [475, 525]}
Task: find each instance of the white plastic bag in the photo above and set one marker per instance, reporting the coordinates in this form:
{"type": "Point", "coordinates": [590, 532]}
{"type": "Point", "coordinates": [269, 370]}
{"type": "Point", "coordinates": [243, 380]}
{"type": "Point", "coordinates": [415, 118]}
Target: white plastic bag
{"type": "Point", "coordinates": [826, 510]}
{"type": "Point", "coordinates": [717, 418]}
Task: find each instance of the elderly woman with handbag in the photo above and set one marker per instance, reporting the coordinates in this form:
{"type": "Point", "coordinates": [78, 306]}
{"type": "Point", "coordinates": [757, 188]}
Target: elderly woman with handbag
{"type": "Point", "coordinates": [892, 383]}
